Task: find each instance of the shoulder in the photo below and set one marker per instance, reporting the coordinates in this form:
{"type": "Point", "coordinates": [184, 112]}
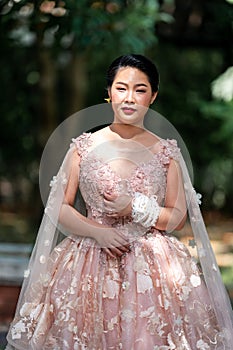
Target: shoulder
{"type": "Point", "coordinates": [150, 140]}
{"type": "Point", "coordinates": [100, 136]}
{"type": "Point", "coordinates": [87, 140]}
{"type": "Point", "coordinates": [167, 147]}
{"type": "Point", "coordinates": [81, 143]}
{"type": "Point", "coordinates": [169, 150]}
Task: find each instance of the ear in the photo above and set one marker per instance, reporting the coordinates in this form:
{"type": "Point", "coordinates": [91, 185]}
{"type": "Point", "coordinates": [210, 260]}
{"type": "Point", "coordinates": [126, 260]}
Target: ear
{"type": "Point", "coordinates": [154, 95]}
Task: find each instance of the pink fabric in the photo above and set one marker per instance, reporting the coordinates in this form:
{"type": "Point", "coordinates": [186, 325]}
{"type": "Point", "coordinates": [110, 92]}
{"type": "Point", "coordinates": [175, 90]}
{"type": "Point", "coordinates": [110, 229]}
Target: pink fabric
{"type": "Point", "coordinates": [152, 298]}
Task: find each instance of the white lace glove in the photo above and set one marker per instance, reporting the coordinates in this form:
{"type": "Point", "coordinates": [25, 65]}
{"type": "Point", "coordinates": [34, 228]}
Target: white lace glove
{"type": "Point", "coordinates": [145, 210]}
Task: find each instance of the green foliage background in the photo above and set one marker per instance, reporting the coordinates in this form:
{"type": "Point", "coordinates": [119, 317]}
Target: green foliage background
{"type": "Point", "coordinates": [54, 56]}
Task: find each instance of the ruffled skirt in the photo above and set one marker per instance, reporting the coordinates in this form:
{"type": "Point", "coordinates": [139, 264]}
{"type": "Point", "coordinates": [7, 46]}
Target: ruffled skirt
{"type": "Point", "coordinates": [152, 298]}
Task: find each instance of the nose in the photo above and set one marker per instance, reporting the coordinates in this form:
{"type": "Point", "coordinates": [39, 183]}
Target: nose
{"type": "Point", "coordinates": [129, 98]}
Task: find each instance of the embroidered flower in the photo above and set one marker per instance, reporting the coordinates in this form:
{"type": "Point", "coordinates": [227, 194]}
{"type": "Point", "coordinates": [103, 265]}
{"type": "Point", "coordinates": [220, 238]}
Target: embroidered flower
{"type": "Point", "coordinates": [26, 273]}
{"type": "Point", "coordinates": [125, 285]}
{"type": "Point", "coordinates": [128, 315]}
{"type": "Point", "coordinates": [140, 265]}
{"type": "Point", "coordinates": [195, 280]}
{"type": "Point", "coordinates": [46, 242]}
{"type": "Point", "coordinates": [199, 196]}
{"type": "Point", "coordinates": [170, 150]}
{"type": "Point", "coordinates": [178, 321]}
{"type": "Point", "coordinates": [26, 309]}
{"type": "Point", "coordinates": [214, 267]}
{"type": "Point", "coordinates": [53, 182]}
{"type": "Point", "coordinates": [82, 143]}
{"type": "Point", "coordinates": [185, 293]}
{"type": "Point", "coordinates": [71, 290]}
{"type": "Point", "coordinates": [74, 282]}
{"type": "Point", "coordinates": [172, 346]}
{"type": "Point", "coordinates": [112, 322]}
{"type": "Point", "coordinates": [42, 259]}
{"type": "Point", "coordinates": [36, 311]}
{"type": "Point", "coordinates": [44, 279]}
{"type": "Point", "coordinates": [202, 252]}
{"type": "Point", "coordinates": [202, 345]}
{"type": "Point", "coordinates": [17, 329]}
{"type": "Point", "coordinates": [61, 315]}
{"type": "Point", "coordinates": [63, 178]}
{"type": "Point", "coordinates": [76, 346]}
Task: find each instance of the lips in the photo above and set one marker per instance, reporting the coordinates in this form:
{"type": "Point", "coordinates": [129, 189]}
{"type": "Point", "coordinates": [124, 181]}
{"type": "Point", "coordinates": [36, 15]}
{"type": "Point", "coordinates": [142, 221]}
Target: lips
{"type": "Point", "coordinates": [128, 110]}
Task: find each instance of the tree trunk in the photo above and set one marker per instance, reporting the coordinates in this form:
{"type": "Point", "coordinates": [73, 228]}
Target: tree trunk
{"type": "Point", "coordinates": [77, 83]}
{"type": "Point", "coordinates": [48, 107]}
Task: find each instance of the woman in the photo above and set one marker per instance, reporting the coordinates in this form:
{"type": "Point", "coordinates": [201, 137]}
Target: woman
{"type": "Point", "coordinates": [120, 280]}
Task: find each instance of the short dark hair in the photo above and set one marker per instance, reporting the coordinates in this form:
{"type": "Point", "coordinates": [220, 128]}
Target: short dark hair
{"type": "Point", "coordinates": [135, 61]}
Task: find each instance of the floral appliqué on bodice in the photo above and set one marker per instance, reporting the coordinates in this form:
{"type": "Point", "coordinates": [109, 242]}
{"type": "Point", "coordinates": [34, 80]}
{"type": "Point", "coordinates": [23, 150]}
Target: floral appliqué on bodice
{"type": "Point", "coordinates": [97, 176]}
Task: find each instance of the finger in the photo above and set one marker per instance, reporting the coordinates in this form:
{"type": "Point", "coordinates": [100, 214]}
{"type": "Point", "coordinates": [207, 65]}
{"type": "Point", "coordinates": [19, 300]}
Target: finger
{"type": "Point", "coordinates": [108, 251]}
{"type": "Point", "coordinates": [121, 242]}
{"type": "Point", "coordinates": [120, 236]}
{"type": "Point", "coordinates": [113, 215]}
{"type": "Point", "coordinates": [124, 248]}
{"type": "Point", "coordinates": [108, 204]}
{"type": "Point", "coordinates": [110, 196]}
{"type": "Point", "coordinates": [117, 251]}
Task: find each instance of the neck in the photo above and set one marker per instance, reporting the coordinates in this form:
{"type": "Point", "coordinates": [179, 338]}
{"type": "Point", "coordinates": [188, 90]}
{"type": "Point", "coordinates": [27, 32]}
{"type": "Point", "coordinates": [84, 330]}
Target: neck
{"type": "Point", "coordinates": [126, 131]}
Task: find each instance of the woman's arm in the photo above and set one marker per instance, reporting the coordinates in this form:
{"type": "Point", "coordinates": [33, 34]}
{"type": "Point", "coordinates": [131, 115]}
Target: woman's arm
{"type": "Point", "coordinates": [77, 224]}
{"type": "Point", "coordinates": [69, 217]}
{"type": "Point", "coordinates": [173, 215]}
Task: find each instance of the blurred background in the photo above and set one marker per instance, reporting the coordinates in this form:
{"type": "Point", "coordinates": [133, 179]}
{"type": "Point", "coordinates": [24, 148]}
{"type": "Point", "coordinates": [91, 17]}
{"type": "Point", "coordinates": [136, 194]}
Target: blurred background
{"type": "Point", "coordinates": [54, 56]}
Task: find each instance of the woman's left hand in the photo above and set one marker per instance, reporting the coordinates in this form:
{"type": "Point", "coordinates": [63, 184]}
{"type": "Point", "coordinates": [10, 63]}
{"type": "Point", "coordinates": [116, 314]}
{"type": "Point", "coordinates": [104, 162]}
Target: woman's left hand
{"type": "Point", "coordinates": [117, 205]}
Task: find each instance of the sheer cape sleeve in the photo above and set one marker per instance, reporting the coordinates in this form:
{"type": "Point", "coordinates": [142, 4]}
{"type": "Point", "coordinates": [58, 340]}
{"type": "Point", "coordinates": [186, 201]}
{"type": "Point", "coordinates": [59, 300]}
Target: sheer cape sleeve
{"type": "Point", "coordinates": [211, 273]}
{"type": "Point", "coordinates": [205, 255]}
{"type": "Point", "coordinates": [50, 233]}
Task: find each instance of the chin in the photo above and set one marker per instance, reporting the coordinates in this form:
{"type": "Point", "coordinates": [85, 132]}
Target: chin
{"type": "Point", "coordinates": [132, 119]}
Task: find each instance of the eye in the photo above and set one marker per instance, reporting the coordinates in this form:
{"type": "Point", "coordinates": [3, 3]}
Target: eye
{"type": "Point", "coordinates": [120, 88]}
{"type": "Point", "coordinates": [141, 91]}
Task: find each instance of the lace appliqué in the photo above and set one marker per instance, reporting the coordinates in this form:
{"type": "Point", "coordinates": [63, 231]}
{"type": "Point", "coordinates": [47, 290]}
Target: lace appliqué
{"type": "Point", "coordinates": [169, 150]}
{"type": "Point", "coordinates": [82, 143]}
{"type": "Point", "coordinates": [194, 198]}
{"type": "Point", "coordinates": [58, 181]}
{"type": "Point", "coordinates": [29, 313]}
{"type": "Point", "coordinates": [96, 177]}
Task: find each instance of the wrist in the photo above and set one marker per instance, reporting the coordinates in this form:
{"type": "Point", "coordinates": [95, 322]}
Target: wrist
{"type": "Point", "coordinates": [145, 210]}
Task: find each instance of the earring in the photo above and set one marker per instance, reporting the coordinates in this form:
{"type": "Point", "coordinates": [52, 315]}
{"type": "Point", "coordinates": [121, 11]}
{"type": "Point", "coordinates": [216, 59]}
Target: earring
{"type": "Point", "coordinates": [107, 99]}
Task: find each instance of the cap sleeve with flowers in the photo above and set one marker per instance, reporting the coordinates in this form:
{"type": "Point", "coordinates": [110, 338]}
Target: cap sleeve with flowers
{"type": "Point", "coordinates": [169, 150]}
{"type": "Point", "coordinates": [59, 181]}
{"type": "Point", "coordinates": [82, 143]}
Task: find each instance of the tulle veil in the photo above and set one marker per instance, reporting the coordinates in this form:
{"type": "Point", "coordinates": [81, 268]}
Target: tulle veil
{"type": "Point", "coordinates": [50, 233]}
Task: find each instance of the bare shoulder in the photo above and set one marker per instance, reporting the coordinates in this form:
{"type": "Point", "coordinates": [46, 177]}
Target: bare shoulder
{"type": "Point", "coordinates": [150, 140]}
{"type": "Point", "coordinates": [99, 136]}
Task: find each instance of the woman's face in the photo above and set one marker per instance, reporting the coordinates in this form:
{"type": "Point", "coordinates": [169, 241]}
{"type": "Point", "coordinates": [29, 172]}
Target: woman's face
{"type": "Point", "coordinates": [131, 96]}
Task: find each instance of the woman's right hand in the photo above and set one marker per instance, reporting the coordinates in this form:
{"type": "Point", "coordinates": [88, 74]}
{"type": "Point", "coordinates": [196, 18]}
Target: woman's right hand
{"type": "Point", "coordinates": [112, 241]}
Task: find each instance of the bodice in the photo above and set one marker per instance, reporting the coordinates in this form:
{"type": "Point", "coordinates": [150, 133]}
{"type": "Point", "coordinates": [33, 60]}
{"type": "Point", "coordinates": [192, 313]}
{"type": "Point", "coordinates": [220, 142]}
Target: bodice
{"type": "Point", "coordinates": [101, 170]}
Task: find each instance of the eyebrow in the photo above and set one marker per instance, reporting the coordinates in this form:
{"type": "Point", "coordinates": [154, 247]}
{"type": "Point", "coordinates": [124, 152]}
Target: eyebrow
{"type": "Point", "coordinates": [139, 84]}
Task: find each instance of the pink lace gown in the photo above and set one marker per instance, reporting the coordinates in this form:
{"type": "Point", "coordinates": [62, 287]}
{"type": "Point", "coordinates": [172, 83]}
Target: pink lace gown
{"type": "Point", "coordinates": [151, 298]}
